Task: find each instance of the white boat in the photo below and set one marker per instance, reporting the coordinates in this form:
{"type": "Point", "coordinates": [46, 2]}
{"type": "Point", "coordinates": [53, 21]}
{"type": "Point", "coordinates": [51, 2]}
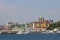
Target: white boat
{"type": "Point", "coordinates": [27, 31]}
{"type": "Point", "coordinates": [19, 33]}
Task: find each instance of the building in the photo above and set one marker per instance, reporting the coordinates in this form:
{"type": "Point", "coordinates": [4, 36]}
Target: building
{"type": "Point", "coordinates": [4, 29]}
{"type": "Point", "coordinates": [41, 19]}
{"type": "Point", "coordinates": [40, 25]}
{"type": "Point", "coordinates": [12, 23]}
{"type": "Point", "coordinates": [13, 27]}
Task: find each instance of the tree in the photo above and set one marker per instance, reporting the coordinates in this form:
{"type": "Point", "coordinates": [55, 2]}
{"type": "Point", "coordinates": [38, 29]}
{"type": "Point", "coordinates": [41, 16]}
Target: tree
{"type": "Point", "coordinates": [52, 26]}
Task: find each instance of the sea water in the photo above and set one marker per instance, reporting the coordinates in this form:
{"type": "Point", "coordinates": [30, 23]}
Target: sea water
{"type": "Point", "coordinates": [29, 36]}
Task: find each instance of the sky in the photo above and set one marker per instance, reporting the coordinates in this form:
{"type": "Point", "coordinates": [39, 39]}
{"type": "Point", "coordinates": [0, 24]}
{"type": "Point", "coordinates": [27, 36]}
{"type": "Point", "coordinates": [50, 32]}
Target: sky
{"type": "Point", "coordinates": [25, 11]}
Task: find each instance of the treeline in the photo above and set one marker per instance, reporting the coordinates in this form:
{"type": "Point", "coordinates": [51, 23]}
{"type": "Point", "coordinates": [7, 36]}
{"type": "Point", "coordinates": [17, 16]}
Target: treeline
{"type": "Point", "coordinates": [54, 25]}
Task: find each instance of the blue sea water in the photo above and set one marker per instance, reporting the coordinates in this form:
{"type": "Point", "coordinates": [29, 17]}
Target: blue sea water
{"type": "Point", "coordinates": [30, 37]}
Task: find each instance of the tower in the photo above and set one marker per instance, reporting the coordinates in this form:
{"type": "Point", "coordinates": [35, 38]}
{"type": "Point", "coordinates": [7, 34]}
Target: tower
{"type": "Point", "coordinates": [41, 19]}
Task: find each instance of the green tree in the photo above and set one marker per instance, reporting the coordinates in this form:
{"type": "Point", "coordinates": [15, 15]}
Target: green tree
{"type": "Point", "coordinates": [52, 26]}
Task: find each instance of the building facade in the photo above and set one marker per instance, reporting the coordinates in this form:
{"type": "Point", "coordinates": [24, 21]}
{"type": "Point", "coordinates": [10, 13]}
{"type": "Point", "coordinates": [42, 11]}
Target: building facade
{"type": "Point", "coordinates": [39, 25]}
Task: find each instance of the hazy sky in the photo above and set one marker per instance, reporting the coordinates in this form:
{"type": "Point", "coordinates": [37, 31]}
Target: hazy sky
{"type": "Point", "coordinates": [24, 11]}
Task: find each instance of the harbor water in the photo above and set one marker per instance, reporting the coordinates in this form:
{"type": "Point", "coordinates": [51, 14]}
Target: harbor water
{"type": "Point", "coordinates": [30, 36]}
